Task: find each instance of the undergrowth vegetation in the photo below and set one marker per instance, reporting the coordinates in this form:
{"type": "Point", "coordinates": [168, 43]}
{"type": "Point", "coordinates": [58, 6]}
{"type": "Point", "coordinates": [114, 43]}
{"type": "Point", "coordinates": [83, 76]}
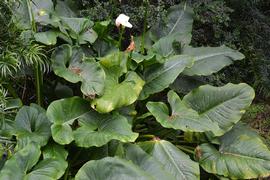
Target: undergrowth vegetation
{"type": "Point", "coordinates": [145, 96]}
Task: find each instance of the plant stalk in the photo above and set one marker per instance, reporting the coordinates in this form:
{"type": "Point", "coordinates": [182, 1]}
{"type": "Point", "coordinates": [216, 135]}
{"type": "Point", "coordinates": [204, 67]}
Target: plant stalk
{"type": "Point", "coordinates": [185, 149]}
{"type": "Point", "coordinates": [38, 72]}
{"type": "Point", "coordinates": [144, 27]}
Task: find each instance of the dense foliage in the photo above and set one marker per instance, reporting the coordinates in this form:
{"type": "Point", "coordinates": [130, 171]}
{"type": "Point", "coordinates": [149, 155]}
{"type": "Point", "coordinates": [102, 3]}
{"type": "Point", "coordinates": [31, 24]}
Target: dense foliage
{"type": "Point", "coordinates": [120, 103]}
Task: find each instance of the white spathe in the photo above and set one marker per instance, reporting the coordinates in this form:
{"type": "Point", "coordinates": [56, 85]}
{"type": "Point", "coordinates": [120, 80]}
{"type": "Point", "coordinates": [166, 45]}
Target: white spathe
{"type": "Point", "coordinates": [123, 19]}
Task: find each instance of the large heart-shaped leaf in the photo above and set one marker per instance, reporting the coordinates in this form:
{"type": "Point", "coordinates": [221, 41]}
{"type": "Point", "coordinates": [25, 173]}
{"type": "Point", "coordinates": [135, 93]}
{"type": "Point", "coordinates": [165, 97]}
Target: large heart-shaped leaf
{"type": "Point", "coordinates": [31, 125]}
{"type": "Point", "coordinates": [242, 155]}
{"type": "Point", "coordinates": [111, 168]}
{"type": "Point", "coordinates": [63, 113]}
{"type": "Point", "coordinates": [181, 117]}
{"type": "Point", "coordinates": [160, 76]}
{"type": "Point", "coordinates": [22, 166]}
{"type": "Point", "coordinates": [117, 94]}
{"type": "Point", "coordinates": [179, 23]}
{"type": "Point", "coordinates": [146, 162]}
{"type": "Point", "coordinates": [98, 129]}
{"type": "Point", "coordinates": [223, 105]}
{"type": "Point", "coordinates": [177, 163]}
{"type": "Point", "coordinates": [70, 63]}
{"type": "Point", "coordinates": [209, 60]}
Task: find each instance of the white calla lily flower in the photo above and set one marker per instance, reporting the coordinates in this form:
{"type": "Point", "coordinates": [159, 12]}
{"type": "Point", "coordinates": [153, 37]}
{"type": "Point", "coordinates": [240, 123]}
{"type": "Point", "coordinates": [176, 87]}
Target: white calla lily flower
{"type": "Point", "coordinates": [122, 19]}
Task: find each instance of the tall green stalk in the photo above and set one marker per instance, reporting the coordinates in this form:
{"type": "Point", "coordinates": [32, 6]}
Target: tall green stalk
{"type": "Point", "coordinates": [146, 4]}
{"type": "Point", "coordinates": [37, 69]}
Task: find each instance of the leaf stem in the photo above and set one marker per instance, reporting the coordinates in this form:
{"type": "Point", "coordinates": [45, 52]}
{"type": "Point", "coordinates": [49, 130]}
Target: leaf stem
{"type": "Point", "coordinates": [121, 37]}
{"type": "Point", "coordinates": [186, 149]}
{"type": "Point", "coordinates": [147, 136]}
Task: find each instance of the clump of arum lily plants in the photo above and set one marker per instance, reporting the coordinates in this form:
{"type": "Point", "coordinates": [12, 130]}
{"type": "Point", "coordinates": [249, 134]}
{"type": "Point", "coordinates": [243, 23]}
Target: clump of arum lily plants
{"type": "Point", "coordinates": [136, 113]}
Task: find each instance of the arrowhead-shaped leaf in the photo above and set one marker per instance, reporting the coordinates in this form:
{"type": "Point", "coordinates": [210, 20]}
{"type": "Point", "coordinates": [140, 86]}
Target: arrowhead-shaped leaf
{"type": "Point", "coordinates": [242, 155]}
{"type": "Point", "coordinates": [98, 129]}
{"type": "Point", "coordinates": [111, 168]}
{"type": "Point", "coordinates": [70, 63]}
{"type": "Point", "coordinates": [177, 163]}
{"type": "Point", "coordinates": [208, 60]}
{"type": "Point", "coordinates": [182, 117]}
{"type": "Point", "coordinates": [207, 108]}
{"type": "Point", "coordinates": [31, 125]}
{"type": "Point", "coordinates": [62, 113]}
{"type": "Point", "coordinates": [223, 105]}
{"type": "Point", "coordinates": [160, 76]}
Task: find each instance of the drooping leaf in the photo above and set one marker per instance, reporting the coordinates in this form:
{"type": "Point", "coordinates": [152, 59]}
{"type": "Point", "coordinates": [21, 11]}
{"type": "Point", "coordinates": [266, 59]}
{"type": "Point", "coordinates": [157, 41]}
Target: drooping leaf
{"type": "Point", "coordinates": [160, 76]}
{"type": "Point", "coordinates": [177, 163]}
{"type": "Point", "coordinates": [208, 60]}
{"type": "Point", "coordinates": [146, 162]}
{"type": "Point", "coordinates": [223, 105]}
{"type": "Point", "coordinates": [181, 117]}
{"type": "Point", "coordinates": [70, 63]}
{"type": "Point", "coordinates": [178, 23]}
{"type": "Point", "coordinates": [31, 125]}
{"type": "Point", "coordinates": [22, 166]}
{"type": "Point", "coordinates": [98, 129]}
{"type": "Point", "coordinates": [117, 94]}
{"type": "Point", "coordinates": [242, 155]}
{"type": "Point", "coordinates": [111, 168]}
{"type": "Point", "coordinates": [62, 113]}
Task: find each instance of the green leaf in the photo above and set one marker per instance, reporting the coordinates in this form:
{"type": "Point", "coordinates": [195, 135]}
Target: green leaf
{"type": "Point", "coordinates": [63, 113]}
{"type": "Point", "coordinates": [22, 166]}
{"type": "Point", "coordinates": [54, 151]}
{"type": "Point", "coordinates": [209, 60]}
{"type": "Point", "coordinates": [146, 162]}
{"type": "Point", "coordinates": [82, 69]}
{"type": "Point", "coordinates": [177, 163]}
{"type": "Point", "coordinates": [116, 60]}
{"type": "Point", "coordinates": [111, 168]}
{"type": "Point", "coordinates": [242, 155]}
{"type": "Point", "coordinates": [48, 37]}
{"type": "Point", "coordinates": [178, 23]}
{"type": "Point", "coordinates": [160, 76]}
{"type": "Point", "coordinates": [117, 94]}
{"type": "Point", "coordinates": [76, 25]}
{"type": "Point", "coordinates": [22, 161]}
{"type": "Point", "coordinates": [164, 46]}
{"type": "Point", "coordinates": [223, 105]}
{"type": "Point", "coordinates": [31, 126]}
{"type": "Point", "coordinates": [98, 129]}
{"type": "Point", "coordinates": [80, 29]}
{"type": "Point", "coordinates": [181, 117]}
{"type": "Point", "coordinates": [48, 169]}
{"type": "Point", "coordinates": [88, 36]}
